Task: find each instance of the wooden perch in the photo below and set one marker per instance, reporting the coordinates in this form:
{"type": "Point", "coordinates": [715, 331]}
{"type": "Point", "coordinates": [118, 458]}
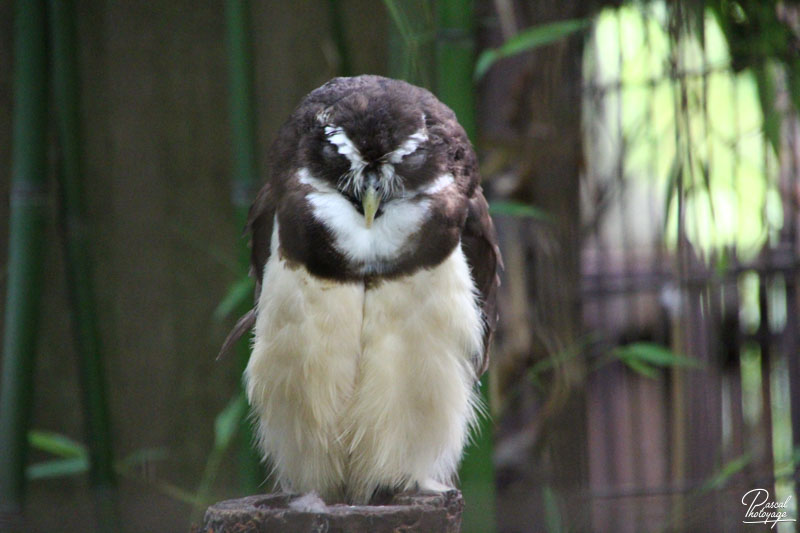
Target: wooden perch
{"type": "Point", "coordinates": [425, 512]}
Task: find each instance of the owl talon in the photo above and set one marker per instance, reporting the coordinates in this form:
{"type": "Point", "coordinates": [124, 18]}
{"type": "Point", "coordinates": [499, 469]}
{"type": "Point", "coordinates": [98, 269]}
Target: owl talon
{"type": "Point", "coordinates": [431, 485]}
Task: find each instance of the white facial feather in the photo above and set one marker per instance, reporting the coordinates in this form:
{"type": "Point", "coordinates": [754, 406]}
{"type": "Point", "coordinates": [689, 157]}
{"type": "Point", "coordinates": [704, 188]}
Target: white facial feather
{"type": "Point", "coordinates": [369, 247]}
{"type": "Point", "coordinates": [337, 137]}
{"type": "Point", "coordinates": [409, 146]}
{"type": "Point", "coordinates": [353, 180]}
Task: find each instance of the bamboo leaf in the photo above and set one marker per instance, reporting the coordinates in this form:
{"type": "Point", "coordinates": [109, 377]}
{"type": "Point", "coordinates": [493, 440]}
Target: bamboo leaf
{"type": "Point", "coordinates": [228, 420]}
{"type": "Point", "coordinates": [57, 444]}
{"type": "Point", "coordinates": [728, 470]}
{"type": "Point", "coordinates": [73, 457]}
{"type": "Point", "coordinates": [57, 468]}
{"type": "Point", "coordinates": [141, 457]}
{"type": "Point", "coordinates": [765, 83]}
{"type": "Point", "coordinates": [548, 363]}
{"type": "Point", "coordinates": [528, 40]}
{"type": "Point", "coordinates": [651, 354]}
{"type": "Point", "coordinates": [168, 489]}
{"type": "Point", "coordinates": [485, 60]}
{"type": "Point", "coordinates": [399, 20]}
{"type": "Point", "coordinates": [722, 262]}
{"type": "Point", "coordinates": [793, 70]}
{"type": "Point", "coordinates": [518, 209]}
{"type": "Point", "coordinates": [552, 510]}
{"type": "Point", "coordinates": [227, 423]}
{"type": "Point", "coordinates": [177, 493]}
{"type": "Point", "coordinates": [238, 294]}
{"type": "Point", "coordinates": [410, 36]}
{"type": "Point", "coordinates": [640, 367]}
{"type": "Point", "coordinates": [671, 194]}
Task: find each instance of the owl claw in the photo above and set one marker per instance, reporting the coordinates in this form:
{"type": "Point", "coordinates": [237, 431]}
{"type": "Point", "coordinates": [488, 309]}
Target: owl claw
{"type": "Point", "coordinates": [431, 485]}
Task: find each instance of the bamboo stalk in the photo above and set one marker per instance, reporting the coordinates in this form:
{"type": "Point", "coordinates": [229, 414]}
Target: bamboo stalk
{"type": "Point", "coordinates": [455, 61]}
{"type": "Point", "coordinates": [79, 272]}
{"type": "Point", "coordinates": [66, 90]}
{"type": "Point", "coordinates": [242, 111]}
{"type": "Point", "coordinates": [409, 40]}
{"type": "Point", "coordinates": [25, 247]}
{"type": "Point", "coordinates": [339, 38]}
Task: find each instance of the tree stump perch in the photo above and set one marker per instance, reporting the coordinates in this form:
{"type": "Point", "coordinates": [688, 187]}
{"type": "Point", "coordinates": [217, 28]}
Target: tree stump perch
{"type": "Point", "coordinates": [421, 512]}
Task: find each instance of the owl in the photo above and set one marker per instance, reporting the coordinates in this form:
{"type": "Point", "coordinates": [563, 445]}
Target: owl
{"type": "Point", "coordinates": [376, 265]}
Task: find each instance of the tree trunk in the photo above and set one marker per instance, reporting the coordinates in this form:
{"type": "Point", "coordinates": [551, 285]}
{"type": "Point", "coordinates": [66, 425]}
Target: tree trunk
{"type": "Point", "coordinates": [423, 513]}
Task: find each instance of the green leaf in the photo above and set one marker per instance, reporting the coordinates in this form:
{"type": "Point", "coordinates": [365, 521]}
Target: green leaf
{"type": "Point", "coordinates": [554, 360]}
{"type": "Point", "coordinates": [226, 425]}
{"type": "Point", "coordinates": [142, 456]}
{"type": "Point", "coordinates": [238, 295]}
{"type": "Point", "coordinates": [552, 511]}
{"type": "Point", "coordinates": [528, 40]}
{"type": "Point", "coordinates": [518, 209]}
{"type": "Point", "coordinates": [673, 180]}
{"type": "Point", "coordinates": [728, 470]}
{"type": "Point", "coordinates": [641, 368]}
{"type": "Point", "coordinates": [722, 262]}
{"type": "Point", "coordinates": [485, 61]}
{"type": "Point", "coordinates": [228, 421]}
{"type": "Point", "coordinates": [645, 358]}
{"type": "Point", "coordinates": [654, 354]}
{"type": "Point", "coordinates": [56, 444]}
{"type": "Point", "coordinates": [177, 493]}
{"type": "Point", "coordinates": [793, 70]}
{"type": "Point", "coordinates": [57, 468]}
{"type": "Point", "coordinates": [765, 83]}
{"type": "Point", "coordinates": [399, 20]}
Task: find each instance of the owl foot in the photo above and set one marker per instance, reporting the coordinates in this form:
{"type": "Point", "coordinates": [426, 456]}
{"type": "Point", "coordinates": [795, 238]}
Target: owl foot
{"type": "Point", "coordinates": [431, 485]}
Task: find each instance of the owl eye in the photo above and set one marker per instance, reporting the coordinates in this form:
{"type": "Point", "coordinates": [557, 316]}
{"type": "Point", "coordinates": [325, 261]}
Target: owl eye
{"type": "Point", "coordinates": [415, 159]}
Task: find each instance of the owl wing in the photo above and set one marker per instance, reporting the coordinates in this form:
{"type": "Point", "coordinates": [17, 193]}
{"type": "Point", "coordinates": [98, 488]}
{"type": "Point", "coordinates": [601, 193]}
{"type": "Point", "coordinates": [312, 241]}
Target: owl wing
{"type": "Point", "coordinates": [259, 226]}
{"type": "Point", "coordinates": [479, 243]}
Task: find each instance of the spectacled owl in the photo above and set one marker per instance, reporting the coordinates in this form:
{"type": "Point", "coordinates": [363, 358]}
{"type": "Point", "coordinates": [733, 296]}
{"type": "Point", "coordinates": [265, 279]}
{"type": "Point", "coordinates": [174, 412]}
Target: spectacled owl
{"type": "Point", "coordinates": [377, 268]}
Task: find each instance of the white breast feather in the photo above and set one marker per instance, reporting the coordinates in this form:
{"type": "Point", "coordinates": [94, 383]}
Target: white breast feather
{"type": "Point", "coordinates": [360, 388]}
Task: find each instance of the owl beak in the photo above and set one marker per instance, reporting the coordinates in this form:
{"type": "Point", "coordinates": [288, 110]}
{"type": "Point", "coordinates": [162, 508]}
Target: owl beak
{"type": "Point", "coordinates": [370, 201]}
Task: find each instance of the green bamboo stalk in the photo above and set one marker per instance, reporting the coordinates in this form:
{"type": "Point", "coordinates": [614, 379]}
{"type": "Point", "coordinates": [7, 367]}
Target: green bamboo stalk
{"type": "Point", "coordinates": [66, 90]}
{"type": "Point", "coordinates": [79, 272]}
{"type": "Point", "coordinates": [410, 41]}
{"type": "Point", "coordinates": [455, 62]}
{"type": "Point", "coordinates": [242, 110]}
{"type": "Point", "coordinates": [25, 247]}
{"type": "Point", "coordinates": [339, 38]}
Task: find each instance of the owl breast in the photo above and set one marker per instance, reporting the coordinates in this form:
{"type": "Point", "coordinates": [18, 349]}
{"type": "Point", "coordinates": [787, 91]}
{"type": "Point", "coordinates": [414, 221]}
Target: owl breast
{"type": "Point", "coordinates": [357, 388]}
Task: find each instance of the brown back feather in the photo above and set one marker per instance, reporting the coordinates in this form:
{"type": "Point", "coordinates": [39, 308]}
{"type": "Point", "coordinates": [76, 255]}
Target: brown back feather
{"type": "Point", "coordinates": [479, 242]}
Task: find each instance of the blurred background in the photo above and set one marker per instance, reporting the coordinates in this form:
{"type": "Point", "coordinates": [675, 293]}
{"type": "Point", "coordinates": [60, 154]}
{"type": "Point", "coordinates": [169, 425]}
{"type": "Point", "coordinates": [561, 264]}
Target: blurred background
{"type": "Point", "coordinates": [642, 160]}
